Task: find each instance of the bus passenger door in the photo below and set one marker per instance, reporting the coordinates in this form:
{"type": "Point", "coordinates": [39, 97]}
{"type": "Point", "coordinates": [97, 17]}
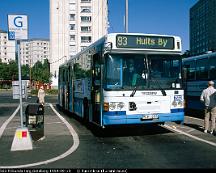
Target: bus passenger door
{"type": "Point", "coordinates": [96, 87]}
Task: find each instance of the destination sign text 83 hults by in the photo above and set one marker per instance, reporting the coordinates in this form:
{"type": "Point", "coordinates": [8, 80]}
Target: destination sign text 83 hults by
{"type": "Point", "coordinates": [144, 42]}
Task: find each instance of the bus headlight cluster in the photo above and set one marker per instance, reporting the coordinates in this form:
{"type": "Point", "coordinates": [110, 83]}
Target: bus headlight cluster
{"type": "Point", "coordinates": [177, 103]}
{"type": "Point", "coordinates": [114, 106]}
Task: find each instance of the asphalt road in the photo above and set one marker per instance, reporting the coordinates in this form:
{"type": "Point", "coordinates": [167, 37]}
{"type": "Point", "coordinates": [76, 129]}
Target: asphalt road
{"type": "Point", "coordinates": [135, 147]}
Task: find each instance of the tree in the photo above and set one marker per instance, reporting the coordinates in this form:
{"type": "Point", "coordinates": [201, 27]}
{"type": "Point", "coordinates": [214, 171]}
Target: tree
{"type": "Point", "coordinates": [8, 71]}
{"type": "Point", "coordinates": [40, 72]}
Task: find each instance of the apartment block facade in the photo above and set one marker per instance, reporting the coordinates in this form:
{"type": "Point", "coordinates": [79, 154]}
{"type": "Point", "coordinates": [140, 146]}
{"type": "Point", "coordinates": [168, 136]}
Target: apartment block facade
{"type": "Point", "coordinates": [7, 48]}
{"type": "Point", "coordinates": [203, 27]}
{"type": "Point", "coordinates": [34, 50]}
{"type": "Point", "coordinates": [74, 24]}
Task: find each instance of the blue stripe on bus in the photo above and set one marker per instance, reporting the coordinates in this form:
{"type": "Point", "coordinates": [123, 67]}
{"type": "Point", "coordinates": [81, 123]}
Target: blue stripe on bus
{"type": "Point", "coordinates": [115, 113]}
{"type": "Point", "coordinates": [136, 119]}
{"type": "Point", "coordinates": [177, 110]}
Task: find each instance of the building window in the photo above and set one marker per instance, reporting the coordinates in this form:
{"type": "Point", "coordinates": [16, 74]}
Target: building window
{"type": "Point", "coordinates": [84, 1]}
{"type": "Point", "coordinates": [85, 28]}
{"type": "Point", "coordinates": [72, 17]}
{"type": "Point", "coordinates": [85, 39]}
{"type": "Point", "coordinates": [83, 47]}
{"type": "Point", "coordinates": [85, 9]}
{"type": "Point", "coordinates": [72, 26]}
{"type": "Point", "coordinates": [86, 19]}
{"type": "Point", "coordinates": [72, 37]}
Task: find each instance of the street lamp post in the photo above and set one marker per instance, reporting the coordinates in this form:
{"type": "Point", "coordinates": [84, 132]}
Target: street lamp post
{"type": "Point", "coordinates": [126, 16]}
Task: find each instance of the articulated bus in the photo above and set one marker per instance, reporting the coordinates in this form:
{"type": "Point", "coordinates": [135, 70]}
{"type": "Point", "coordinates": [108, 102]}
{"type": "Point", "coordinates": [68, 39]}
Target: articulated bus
{"type": "Point", "coordinates": [198, 70]}
{"type": "Point", "coordinates": [97, 86]}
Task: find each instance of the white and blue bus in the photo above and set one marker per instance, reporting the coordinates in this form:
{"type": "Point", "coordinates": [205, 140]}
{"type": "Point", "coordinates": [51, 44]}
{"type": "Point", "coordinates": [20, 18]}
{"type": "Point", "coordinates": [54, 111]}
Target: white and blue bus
{"type": "Point", "coordinates": [97, 86]}
{"type": "Point", "coordinates": [198, 70]}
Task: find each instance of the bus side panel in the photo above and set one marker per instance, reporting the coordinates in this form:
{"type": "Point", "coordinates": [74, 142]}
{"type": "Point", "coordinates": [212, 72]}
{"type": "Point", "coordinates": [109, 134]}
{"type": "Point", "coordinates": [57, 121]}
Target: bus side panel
{"type": "Point", "coordinates": [193, 92]}
{"type": "Point", "coordinates": [82, 90]}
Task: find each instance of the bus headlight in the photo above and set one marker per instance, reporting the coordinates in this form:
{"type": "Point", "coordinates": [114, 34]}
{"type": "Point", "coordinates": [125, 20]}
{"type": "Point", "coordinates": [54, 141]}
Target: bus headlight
{"type": "Point", "coordinates": [113, 106]}
{"type": "Point", "coordinates": [120, 105]}
{"type": "Point", "coordinates": [180, 103]}
{"type": "Point", "coordinates": [174, 103]}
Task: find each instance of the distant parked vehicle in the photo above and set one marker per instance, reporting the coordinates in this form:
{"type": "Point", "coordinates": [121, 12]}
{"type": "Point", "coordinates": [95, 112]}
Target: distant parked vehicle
{"type": "Point", "coordinates": [198, 70]}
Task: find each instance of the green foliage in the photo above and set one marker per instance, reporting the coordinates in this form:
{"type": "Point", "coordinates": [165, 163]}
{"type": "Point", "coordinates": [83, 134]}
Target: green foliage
{"type": "Point", "coordinates": [8, 71]}
{"type": "Point", "coordinates": [34, 92]}
{"type": "Point", "coordinates": [52, 92]}
{"type": "Point", "coordinates": [39, 72]}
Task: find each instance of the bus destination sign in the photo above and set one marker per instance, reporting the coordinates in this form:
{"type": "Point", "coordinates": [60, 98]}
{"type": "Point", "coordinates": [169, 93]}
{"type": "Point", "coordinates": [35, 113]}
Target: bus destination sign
{"type": "Point", "coordinates": [144, 42]}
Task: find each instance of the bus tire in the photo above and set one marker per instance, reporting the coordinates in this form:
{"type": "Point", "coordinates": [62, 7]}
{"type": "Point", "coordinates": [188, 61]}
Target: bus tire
{"type": "Point", "coordinates": [179, 122]}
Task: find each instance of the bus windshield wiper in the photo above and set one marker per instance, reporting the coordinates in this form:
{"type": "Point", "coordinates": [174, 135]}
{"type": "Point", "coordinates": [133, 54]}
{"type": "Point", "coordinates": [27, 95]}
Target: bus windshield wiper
{"type": "Point", "coordinates": [133, 92]}
{"type": "Point", "coordinates": [161, 89]}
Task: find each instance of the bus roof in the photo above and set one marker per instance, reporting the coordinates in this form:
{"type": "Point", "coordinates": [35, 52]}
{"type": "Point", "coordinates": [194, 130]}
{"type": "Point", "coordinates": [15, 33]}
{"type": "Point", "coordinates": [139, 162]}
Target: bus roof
{"type": "Point", "coordinates": [199, 56]}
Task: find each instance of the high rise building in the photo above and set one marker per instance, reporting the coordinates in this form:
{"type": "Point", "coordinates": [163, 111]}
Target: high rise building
{"type": "Point", "coordinates": [34, 50]}
{"type": "Point", "coordinates": [203, 27]}
{"type": "Point", "coordinates": [7, 48]}
{"type": "Point", "coordinates": [74, 24]}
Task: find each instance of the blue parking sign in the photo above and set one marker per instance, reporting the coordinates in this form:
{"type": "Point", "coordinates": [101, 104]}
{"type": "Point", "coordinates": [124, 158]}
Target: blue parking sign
{"type": "Point", "coordinates": [11, 35]}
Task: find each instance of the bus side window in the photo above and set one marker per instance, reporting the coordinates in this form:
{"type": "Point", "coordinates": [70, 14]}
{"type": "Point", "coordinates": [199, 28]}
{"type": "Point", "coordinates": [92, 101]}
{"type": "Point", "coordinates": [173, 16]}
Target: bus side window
{"type": "Point", "coordinates": [212, 68]}
{"type": "Point", "coordinates": [202, 69]}
{"type": "Point", "coordinates": [190, 70]}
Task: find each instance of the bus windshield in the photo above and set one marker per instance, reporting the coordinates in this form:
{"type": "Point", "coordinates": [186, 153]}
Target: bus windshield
{"type": "Point", "coordinates": [126, 71]}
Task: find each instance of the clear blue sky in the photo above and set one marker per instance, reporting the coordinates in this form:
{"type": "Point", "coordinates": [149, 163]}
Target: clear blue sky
{"type": "Point", "coordinates": [145, 16]}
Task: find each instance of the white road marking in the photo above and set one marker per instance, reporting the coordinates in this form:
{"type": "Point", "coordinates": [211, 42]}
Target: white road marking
{"type": "Point", "coordinates": [68, 152]}
{"type": "Point", "coordinates": [190, 130]}
{"type": "Point", "coordinates": [189, 135]}
{"type": "Point", "coordinates": [58, 122]}
{"type": "Point", "coordinates": [195, 118]}
{"type": "Point", "coordinates": [4, 125]}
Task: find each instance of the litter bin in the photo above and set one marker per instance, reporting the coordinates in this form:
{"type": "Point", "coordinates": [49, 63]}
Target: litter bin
{"type": "Point", "coordinates": [35, 120]}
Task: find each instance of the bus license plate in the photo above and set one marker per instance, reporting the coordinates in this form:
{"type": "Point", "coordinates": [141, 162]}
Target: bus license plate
{"type": "Point", "coordinates": [150, 117]}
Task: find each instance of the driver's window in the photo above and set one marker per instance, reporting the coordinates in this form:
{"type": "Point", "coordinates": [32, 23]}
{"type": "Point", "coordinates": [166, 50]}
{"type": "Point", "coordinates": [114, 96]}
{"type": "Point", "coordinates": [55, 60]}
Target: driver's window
{"type": "Point", "coordinates": [113, 73]}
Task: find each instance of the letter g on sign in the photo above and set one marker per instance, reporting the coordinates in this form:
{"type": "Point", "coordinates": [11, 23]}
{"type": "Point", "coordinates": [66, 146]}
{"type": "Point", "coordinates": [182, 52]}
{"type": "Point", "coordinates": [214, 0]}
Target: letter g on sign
{"type": "Point", "coordinates": [18, 21]}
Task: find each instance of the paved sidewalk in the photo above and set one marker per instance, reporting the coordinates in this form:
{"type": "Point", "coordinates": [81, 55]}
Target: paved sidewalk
{"type": "Point", "coordinates": [57, 141]}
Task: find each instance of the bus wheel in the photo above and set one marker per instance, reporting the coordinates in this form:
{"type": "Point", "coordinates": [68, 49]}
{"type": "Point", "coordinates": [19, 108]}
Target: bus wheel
{"type": "Point", "coordinates": [85, 111]}
{"type": "Point", "coordinates": [179, 122]}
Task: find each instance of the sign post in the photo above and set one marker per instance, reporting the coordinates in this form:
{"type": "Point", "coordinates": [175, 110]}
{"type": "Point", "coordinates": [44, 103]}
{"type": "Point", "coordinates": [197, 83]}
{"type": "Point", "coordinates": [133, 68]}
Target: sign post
{"type": "Point", "coordinates": [18, 30]}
